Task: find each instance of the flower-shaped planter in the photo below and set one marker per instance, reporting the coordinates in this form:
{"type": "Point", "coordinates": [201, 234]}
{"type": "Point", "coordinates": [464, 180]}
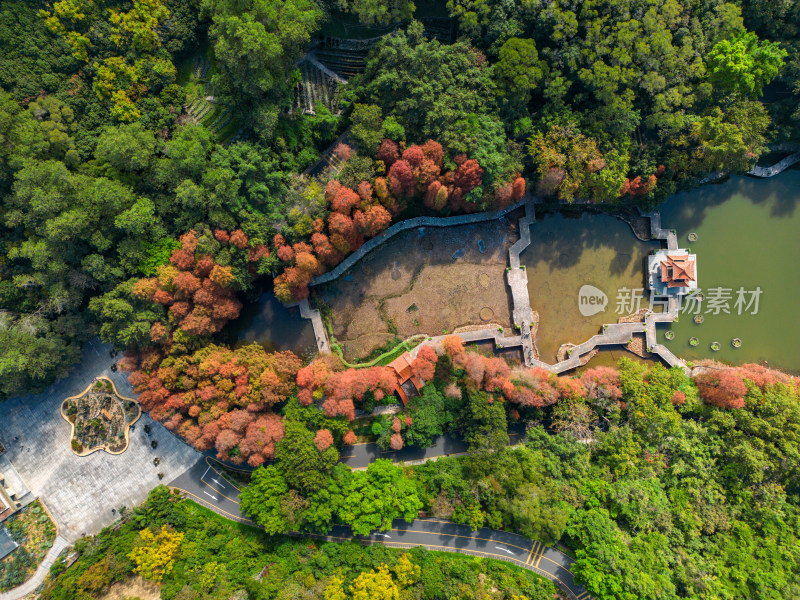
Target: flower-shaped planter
{"type": "Point", "coordinates": [736, 342]}
{"type": "Point", "coordinates": [716, 346]}
{"type": "Point", "coordinates": [100, 418]}
{"type": "Point", "coordinates": [693, 341]}
{"type": "Point", "coordinates": [670, 335]}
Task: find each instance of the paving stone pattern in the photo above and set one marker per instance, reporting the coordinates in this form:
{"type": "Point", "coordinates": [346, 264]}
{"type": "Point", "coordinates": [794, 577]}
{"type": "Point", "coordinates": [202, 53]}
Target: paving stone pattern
{"type": "Point", "coordinates": [81, 491]}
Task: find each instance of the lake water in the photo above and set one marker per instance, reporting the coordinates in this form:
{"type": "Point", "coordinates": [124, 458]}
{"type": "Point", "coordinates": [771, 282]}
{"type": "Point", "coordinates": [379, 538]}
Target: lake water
{"type": "Point", "coordinates": [748, 236]}
{"type": "Point", "coordinates": [568, 252]}
{"type": "Point", "coordinates": [269, 323]}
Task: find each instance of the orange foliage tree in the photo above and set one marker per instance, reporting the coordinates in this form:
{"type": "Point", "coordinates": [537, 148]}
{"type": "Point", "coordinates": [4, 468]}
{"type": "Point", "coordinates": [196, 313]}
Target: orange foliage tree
{"type": "Point", "coordinates": [220, 398]}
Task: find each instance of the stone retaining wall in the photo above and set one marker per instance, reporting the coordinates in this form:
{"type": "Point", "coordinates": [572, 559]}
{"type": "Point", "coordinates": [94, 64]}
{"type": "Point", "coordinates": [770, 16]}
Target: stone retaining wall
{"type": "Point", "coordinates": [384, 237]}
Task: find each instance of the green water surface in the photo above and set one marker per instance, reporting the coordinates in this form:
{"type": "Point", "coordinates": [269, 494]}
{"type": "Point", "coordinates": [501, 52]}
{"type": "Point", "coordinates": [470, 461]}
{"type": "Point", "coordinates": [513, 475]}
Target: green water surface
{"type": "Point", "coordinates": [748, 236]}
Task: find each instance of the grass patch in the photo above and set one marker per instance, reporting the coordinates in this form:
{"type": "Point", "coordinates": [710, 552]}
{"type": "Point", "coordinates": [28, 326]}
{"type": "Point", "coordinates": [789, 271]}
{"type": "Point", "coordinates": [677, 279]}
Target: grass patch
{"type": "Point", "coordinates": [385, 357]}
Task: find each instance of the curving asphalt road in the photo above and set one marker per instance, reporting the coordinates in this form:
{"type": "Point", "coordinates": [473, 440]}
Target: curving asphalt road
{"type": "Point", "coordinates": [205, 484]}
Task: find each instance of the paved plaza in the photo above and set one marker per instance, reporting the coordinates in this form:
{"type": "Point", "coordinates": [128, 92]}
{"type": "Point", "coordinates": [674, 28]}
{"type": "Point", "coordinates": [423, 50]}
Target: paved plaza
{"type": "Point", "coordinates": [81, 492]}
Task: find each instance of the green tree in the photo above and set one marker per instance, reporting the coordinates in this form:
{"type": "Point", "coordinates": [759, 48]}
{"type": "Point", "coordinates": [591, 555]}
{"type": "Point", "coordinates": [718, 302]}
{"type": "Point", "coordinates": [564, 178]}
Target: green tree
{"type": "Point", "coordinates": [372, 499]}
{"type": "Point", "coordinates": [257, 42]}
{"type": "Point", "coordinates": [379, 12]}
{"type": "Point", "coordinates": [427, 414]}
{"type": "Point", "coordinates": [367, 127]}
{"type": "Point", "coordinates": [519, 70]}
{"type": "Point", "coordinates": [743, 65]}
{"type": "Point", "coordinates": [306, 468]}
{"type": "Point", "coordinates": [262, 499]}
{"type": "Point", "coordinates": [484, 423]}
{"type": "Point", "coordinates": [126, 148]}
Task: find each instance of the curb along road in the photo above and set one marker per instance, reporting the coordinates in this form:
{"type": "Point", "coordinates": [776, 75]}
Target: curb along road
{"type": "Point", "coordinates": [205, 484]}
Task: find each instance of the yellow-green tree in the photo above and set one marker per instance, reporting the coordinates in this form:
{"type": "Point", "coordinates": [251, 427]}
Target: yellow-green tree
{"type": "Point", "coordinates": [375, 585]}
{"type": "Point", "coordinates": [156, 553]}
{"type": "Point", "coordinates": [335, 589]}
{"type": "Point", "coordinates": [406, 572]}
{"type": "Point", "coordinates": [141, 64]}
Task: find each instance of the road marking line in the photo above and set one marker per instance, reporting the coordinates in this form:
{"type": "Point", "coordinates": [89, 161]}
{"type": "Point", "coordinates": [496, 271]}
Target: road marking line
{"type": "Point", "coordinates": [466, 537]}
{"type": "Point", "coordinates": [236, 502]}
{"type": "Point", "coordinates": [538, 556]}
{"type": "Point", "coordinates": [248, 522]}
{"type": "Point", "coordinates": [505, 550]}
{"type": "Point", "coordinates": [220, 474]}
{"type": "Point", "coordinates": [211, 495]}
{"type": "Point", "coordinates": [528, 560]}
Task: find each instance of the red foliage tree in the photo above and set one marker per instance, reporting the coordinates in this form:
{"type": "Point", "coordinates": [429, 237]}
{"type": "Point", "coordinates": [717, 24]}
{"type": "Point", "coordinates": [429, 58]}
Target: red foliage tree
{"type": "Point", "coordinates": [285, 253]}
{"type": "Point", "coordinates": [453, 345]}
{"type": "Point", "coordinates": [239, 239]}
{"type": "Point", "coordinates": [721, 387]}
{"type": "Point", "coordinates": [518, 189]}
{"type": "Point", "coordinates": [325, 250]}
{"type": "Point", "coordinates": [365, 192]}
{"type": "Point", "coordinates": [222, 236]}
{"type": "Point", "coordinates": [226, 441]}
{"type": "Point", "coordinates": [350, 437]}
{"type": "Point", "coordinates": [203, 266]}
{"type": "Point", "coordinates": [401, 179]}
{"type": "Point", "coordinates": [308, 262]}
{"type": "Point", "coordinates": [182, 259]}
{"type": "Point", "coordinates": [426, 172]}
{"type": "Point", "coordinates": [638, 186]}
{"type": "Point", "coordinates": [189, 241]}
{"type": "Point", "coordinates": [376, 220]}
{"type": "Point", "coordinates": [424, 364]}
{"type": "Point", "coordinates": [158, 333]}
{"type": "Point", "coordinates": [180, 309]}
{"type": "Point", "coordinates": [323, 439]}
{"type": "Point", "coordinates": [344, 201]}
{"type": "Point", "coordinates": [343, 152]}
{"type": "Point", "coordinates": [413, 155]}
{"type": "Point", "coordinates": [186, 284]}
{"type": "Point", "coordinates": [396, 441]}
{"type": "Point", "coordinates": [162, 297]}
{"type": "Point", "coordinates": [468, 176]}
{"type": "Point", "coordinates": [388, 152]}
{"type": "Point", "coordinates": [331, 189]}
{"type": "Point", "coordinates": [602, 383]}
{"type": "Point", "coordinates": [434, 152]}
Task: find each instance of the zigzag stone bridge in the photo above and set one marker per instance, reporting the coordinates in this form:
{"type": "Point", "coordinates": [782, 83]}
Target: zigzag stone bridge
{"type": "Point", "coordinates": [613, 334]}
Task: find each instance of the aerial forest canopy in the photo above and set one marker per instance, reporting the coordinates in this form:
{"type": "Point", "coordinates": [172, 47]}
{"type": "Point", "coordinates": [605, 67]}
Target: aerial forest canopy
{"type": "Point", "coordinates": [165, 162]}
